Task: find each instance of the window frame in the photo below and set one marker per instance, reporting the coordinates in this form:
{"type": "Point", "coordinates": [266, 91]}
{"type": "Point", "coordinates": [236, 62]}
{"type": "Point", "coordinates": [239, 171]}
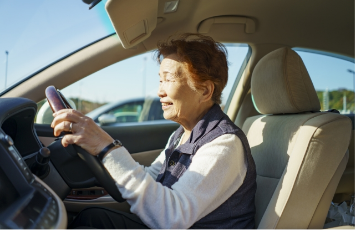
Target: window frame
{"type": "Point", "coordinates": [237, 79]}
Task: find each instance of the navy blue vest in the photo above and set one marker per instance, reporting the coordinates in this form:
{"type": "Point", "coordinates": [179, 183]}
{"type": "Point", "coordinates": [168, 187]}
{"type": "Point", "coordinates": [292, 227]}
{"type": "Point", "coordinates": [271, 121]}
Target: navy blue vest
{"type": "Point", "coordinates": [237, 211]}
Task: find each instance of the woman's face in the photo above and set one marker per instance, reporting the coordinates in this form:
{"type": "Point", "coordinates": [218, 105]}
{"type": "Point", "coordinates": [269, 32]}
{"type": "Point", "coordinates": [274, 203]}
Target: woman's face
{"type": "Point", "coordinates": [180, 101]}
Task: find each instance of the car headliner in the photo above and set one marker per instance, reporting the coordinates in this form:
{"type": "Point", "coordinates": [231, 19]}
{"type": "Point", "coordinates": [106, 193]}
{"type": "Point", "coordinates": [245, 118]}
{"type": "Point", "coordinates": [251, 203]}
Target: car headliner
{"type": "Point", "coordinates": [318, 24]}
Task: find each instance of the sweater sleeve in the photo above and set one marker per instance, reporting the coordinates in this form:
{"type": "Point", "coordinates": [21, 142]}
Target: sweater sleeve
{"type": "Point", "coordinates": [205, 185]}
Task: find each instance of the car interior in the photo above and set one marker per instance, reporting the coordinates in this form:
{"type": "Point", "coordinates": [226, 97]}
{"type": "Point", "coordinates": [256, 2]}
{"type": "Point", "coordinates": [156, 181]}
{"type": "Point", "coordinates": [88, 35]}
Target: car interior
{"type": "Point", "coordinates": [304, 156]}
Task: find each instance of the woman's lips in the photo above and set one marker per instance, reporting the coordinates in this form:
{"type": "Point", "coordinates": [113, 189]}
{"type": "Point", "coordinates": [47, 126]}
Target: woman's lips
{"type": "Point", "coordinates": [166, 105]}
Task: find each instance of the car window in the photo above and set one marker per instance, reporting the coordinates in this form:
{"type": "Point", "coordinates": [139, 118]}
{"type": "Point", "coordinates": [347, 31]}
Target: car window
{"type": "Point", "coordinates": [127, 91]}
{"type": "Point", "coordinates": [333, 78]}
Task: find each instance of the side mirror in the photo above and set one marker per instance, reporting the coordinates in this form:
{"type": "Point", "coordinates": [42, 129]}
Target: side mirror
{"type": "Point", "coordinates": [105, 119]}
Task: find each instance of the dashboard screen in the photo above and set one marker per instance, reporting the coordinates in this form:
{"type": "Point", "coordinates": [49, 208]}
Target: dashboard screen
{"type": "Point", "coordinates": [8, 193]}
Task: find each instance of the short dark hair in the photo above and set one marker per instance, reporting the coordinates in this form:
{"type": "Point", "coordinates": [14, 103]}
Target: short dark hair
{"type": "Point", "coordinates": [204, 59]}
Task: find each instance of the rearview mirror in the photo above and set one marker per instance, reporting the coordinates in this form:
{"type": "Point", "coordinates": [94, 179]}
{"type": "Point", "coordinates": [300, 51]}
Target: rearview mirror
{"type": "Point", "coordinates": [92, 3]}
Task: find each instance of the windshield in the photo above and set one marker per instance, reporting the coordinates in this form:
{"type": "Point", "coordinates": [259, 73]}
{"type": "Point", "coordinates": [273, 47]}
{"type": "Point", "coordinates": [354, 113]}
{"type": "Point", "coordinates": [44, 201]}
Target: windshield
{"type": "Point", "coordinates": [35, 34]}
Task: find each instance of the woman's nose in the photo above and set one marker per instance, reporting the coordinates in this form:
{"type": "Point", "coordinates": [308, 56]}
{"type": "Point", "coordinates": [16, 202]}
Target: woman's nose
{"type": "Point", "coordinates": [161, 91]}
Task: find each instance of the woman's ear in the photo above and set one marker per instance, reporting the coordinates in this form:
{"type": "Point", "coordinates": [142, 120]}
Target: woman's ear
{"type": "Point", "coordinates": [207, 91]}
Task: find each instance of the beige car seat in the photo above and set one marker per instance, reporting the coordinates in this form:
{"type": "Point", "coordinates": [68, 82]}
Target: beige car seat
{"type": "Point", "coordinates": [299, 152]}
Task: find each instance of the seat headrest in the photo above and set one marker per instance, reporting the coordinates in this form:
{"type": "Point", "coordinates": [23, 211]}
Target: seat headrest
{"type": "Point", "coordinates": [281, 84]}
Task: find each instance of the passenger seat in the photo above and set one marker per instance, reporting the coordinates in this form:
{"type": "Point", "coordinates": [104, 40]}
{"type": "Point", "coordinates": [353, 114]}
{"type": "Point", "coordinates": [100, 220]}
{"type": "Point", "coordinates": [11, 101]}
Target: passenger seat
{"type": "Point", "coordinates": [300, 153]}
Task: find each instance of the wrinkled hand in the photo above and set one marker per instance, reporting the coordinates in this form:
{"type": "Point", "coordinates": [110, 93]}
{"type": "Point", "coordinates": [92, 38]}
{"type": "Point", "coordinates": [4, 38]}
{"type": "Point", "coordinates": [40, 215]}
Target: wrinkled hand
{"type": "Point", "coordinates": [85, 132]}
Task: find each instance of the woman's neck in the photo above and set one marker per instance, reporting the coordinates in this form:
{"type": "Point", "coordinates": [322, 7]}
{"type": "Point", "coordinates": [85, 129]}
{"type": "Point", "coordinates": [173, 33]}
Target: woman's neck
{"type": "Point", "coordinates": [190, 124]}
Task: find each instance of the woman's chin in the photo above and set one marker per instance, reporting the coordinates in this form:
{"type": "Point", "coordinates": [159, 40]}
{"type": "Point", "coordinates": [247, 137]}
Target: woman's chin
{"type": "Point", "coordinates": [168, 116]}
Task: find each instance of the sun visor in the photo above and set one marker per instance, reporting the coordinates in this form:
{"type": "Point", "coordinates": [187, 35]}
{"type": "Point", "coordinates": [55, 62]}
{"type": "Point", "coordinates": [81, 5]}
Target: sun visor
{"type": "Point", "coordinates": [133, 20]}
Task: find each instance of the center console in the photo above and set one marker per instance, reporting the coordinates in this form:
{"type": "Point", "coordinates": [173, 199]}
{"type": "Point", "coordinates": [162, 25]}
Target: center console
{"type": "Point", "coordinates": [25, 200]}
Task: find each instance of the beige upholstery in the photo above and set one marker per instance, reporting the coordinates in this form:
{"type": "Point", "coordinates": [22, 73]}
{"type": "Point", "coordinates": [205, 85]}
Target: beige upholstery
{"type": "Point", "coordinates": [283, 70]}
{"type": "Point", "coordinates": [146, 158]}
{"type": "Point", "coordinates": [323, 206]}
{"type": "Point", "coordinates": [299, 157]}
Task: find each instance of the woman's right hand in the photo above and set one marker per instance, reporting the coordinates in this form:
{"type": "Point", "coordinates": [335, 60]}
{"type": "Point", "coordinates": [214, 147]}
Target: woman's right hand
{"type": "Point", "coordinates": [85, 132]}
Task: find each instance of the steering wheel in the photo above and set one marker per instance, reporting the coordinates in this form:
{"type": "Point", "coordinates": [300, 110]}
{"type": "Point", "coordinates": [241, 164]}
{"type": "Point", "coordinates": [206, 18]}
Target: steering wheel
{"type": "Point", "coordinates": [57, 102]}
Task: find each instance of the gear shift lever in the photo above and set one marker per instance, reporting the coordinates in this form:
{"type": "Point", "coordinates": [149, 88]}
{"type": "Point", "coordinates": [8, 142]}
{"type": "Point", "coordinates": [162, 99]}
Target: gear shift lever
{"type": "Point", "coordinates": [40, 167]}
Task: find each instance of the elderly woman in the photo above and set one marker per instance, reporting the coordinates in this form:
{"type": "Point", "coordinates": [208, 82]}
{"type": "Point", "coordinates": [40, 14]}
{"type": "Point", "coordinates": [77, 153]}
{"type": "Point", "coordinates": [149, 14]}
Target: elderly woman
{"type": "Point", "coordinates": [205, 177]}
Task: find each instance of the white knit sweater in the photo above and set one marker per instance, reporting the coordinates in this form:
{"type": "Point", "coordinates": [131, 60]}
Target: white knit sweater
{"type": "Point", "coordinates": [217, 170]}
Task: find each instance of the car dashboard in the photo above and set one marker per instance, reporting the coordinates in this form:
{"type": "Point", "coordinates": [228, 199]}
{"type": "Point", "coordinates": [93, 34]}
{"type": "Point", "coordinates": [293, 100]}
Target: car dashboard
{"type": "Point", "coordinates": [25, 200]}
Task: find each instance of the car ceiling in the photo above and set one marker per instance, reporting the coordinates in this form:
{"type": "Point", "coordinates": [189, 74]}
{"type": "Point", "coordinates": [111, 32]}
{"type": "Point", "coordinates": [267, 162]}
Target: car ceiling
{"type": "Point", "coordinates": [318, 24]}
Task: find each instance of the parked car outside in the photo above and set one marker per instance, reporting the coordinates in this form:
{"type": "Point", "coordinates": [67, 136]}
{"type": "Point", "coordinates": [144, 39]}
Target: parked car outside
{"type": "Point", "coordinates": [132, 110]}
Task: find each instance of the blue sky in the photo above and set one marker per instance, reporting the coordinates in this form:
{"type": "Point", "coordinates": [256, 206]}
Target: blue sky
{"type": "Point", "coordinates": [39, 32]}
{"type": "Point", "coordinates": [328, 72]}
